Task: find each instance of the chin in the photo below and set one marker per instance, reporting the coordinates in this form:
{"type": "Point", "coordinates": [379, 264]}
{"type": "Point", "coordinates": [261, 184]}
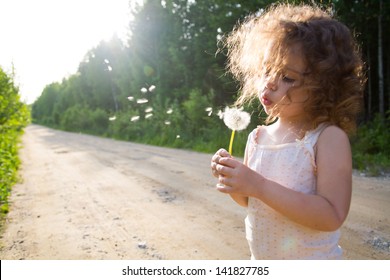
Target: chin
{"type": "Point", "coordinates": [267, 110]}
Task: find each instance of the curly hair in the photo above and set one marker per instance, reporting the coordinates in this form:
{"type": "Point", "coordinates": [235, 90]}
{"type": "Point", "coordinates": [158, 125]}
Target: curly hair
{"type": "Point", "coordinates": [335, 78]}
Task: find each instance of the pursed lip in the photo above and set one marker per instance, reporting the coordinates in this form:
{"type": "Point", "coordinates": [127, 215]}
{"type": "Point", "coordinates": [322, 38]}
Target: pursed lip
{"type": "Point", "coordinates": [264, 100]}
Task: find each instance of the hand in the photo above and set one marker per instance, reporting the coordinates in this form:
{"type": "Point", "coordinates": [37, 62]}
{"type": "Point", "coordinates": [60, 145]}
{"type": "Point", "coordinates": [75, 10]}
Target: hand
{"type": "Point", "coordinates": [221, 153]}
{"type": "Point", "coordinates": [235, 177]}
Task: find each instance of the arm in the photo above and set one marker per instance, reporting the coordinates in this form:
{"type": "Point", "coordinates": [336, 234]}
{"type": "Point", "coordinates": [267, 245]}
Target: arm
{"type": "Point", "coordinates": [327, 209]}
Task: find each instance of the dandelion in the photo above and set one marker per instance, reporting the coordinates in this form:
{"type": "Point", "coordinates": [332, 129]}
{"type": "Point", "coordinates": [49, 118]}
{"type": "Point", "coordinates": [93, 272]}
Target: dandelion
{"type": "Point", "coordinates": [170, 111]}
{"type": "Point", "coordinates": [144, 90]}
{"type": "Point", "coordinates": [220, 114]}
{"type": "Point", "coordinates": [134, 119]}
{"type": "Point", "coordinates": [142, 101]}
{"type": "Point", "coordinates": [167, 122]}
{"type": "Point", "coordinates": [147, 116]}
{"type": "Point", "coordinates": [148, 110]}
{"type": "Point", "coordinates": [152, 88]}
{"type": "Point", "coordinates": [178, 136]}
{"type": "Point", "coordinates": [130, 98]}
{"type": "Point", "coordinates": [236, 119]}
{"type": "Point", "coordinates": [113, 118]}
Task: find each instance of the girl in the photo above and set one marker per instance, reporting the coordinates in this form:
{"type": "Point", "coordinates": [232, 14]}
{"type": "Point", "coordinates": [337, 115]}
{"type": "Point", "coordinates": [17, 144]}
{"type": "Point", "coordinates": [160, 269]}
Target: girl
{"type": "Point", "coordinates": [296, 179]}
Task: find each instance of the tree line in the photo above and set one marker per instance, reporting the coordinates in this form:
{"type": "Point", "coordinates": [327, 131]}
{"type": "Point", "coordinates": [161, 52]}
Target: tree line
{"type": "Point", "coordinates": [14, 116]}
{"type": "Point", "coordinates": [166, 83]}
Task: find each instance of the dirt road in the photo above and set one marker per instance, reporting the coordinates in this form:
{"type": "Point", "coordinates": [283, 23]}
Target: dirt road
{"type": "Point", "coordinates": [84, 197]}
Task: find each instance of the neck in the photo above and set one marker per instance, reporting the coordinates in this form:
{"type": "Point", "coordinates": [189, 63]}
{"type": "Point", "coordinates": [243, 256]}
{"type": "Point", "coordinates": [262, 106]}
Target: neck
{"type": "Point", "coordinates": [292, 124]}
{"type": "Point", "coordinates": [296, 127]}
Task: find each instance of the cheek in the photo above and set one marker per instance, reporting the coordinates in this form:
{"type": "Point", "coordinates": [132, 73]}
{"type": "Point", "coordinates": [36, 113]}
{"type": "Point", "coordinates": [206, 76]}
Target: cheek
{"type": "Point", "coordinates": [299, 96]}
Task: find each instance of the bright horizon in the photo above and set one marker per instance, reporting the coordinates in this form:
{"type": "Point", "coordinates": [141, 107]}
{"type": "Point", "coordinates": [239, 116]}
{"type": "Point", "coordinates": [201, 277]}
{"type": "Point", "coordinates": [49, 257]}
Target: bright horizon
{"type": "Point", "coordinates": [45, 40]}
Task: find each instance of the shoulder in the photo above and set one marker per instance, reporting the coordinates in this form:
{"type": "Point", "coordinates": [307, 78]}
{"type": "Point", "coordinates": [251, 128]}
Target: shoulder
{"type": "Point", "coordinates": [333, 143]}
{"type": "Point", "coordinates": [332, 134]}
{"type": "Point", "coordinates": [256, 133]}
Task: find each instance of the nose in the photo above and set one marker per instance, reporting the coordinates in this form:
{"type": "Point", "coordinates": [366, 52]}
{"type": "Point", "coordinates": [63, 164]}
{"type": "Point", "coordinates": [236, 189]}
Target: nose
{"type": "Point", "coordinates": [271, 83]}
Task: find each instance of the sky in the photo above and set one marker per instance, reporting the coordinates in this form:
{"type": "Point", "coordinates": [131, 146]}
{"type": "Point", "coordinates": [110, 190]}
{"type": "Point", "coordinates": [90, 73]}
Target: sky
{"type": "Point", "coordinates": [45, 40]}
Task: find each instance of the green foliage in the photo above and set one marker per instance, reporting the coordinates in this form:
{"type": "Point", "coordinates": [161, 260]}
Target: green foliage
{"type": "Point", "coordinates": [80, 118]}
{"type": "Point", "coordinates": [173, 48]}
{"type": "Point", "coordinates": [371, 147]}
{"type": "Point", "coordinates": [14, 116]}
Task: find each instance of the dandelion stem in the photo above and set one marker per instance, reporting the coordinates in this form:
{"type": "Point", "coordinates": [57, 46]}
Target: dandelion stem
{"type": "Point", "coordinates": [231, 142]}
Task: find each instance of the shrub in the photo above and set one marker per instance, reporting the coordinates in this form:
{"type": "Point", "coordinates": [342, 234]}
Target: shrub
{"type": "Point", "coordinates": [371, 147]}
{"type": "Point", "coordinates": [14, 116]}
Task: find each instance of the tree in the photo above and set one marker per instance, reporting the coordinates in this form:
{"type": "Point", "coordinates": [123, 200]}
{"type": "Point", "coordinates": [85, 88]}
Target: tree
{"type": "Point", "coordinates": [380, 64]}
{"type": "Point", "coordinates": [173, 59]}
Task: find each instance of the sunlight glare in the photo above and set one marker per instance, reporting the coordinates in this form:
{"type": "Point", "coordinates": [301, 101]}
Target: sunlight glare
{"type": "Point", "coordinates": [46, 40]}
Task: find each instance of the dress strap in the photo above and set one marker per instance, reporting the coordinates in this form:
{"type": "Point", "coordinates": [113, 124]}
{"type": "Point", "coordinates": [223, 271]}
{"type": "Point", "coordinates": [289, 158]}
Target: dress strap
{"type": "Point", "coordinates": [309, 142]}
{"type": "Point", "coordinates": [252, 142]}
{"type": "Point", "coordinates": [313, 135]}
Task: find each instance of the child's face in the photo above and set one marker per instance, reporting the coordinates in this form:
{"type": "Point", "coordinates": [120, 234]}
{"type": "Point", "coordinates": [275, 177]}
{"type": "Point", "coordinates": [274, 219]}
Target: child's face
{"type": "Point", "coordinates": [273, 91]}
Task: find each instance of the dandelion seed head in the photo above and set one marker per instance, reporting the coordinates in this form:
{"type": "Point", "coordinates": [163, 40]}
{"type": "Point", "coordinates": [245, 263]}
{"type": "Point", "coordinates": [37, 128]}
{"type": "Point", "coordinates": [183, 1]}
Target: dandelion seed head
{"type": "Point", "coordinates": [178, 136]}
{"type": "Point", "coordinates": [148, 110]}
{"type": "Point", "coordinates": [236, 118]}
{"type": "Point", "coordinates": [142, 101]}
{"type": "Point", "coordinates": [134, 119]}
{"type": "Point", "coordinates": [220, 114]}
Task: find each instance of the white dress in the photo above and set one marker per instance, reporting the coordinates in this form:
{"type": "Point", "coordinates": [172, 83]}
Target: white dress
{"type": "Point", "coordinates": [271, 235]}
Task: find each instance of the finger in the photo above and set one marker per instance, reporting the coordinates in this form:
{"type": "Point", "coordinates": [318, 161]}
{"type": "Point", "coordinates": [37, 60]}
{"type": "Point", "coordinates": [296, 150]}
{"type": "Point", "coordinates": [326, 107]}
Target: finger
{"type": "Point", "coordinates": [223, 170]}
{"type": "Point", "coordinates": [223, 153]}
{"type": "Point", "coordinates": [224, 188]}
{"type": "Point", "coordinates": [214, 169]}
{"type": "Point", "coordinates": [215, 157]}
{"type": "Point", "coordinates": [228, 161]}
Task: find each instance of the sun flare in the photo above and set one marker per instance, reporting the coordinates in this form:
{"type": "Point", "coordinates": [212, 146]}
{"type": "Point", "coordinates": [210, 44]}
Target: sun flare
{"type": "Point", "coordinates": [46, 40]}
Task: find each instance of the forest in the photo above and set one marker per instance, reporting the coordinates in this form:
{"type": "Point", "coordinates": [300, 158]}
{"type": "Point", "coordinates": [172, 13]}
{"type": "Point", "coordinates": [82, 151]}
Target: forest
{"type": "Point", "coordinates": [166, 84]}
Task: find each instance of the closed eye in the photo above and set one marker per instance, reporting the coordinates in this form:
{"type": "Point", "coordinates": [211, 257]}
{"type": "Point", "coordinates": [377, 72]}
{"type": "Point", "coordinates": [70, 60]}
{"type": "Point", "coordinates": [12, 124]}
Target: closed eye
{"type": "Point", "coordinates": [288, 80]}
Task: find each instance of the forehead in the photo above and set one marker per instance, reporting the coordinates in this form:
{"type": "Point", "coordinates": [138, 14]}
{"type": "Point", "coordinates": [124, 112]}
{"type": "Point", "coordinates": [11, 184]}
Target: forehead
{"type": "Point", "coordinates": [294, 60]}
{"type": "Point", "coordinates": [290, 58]}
